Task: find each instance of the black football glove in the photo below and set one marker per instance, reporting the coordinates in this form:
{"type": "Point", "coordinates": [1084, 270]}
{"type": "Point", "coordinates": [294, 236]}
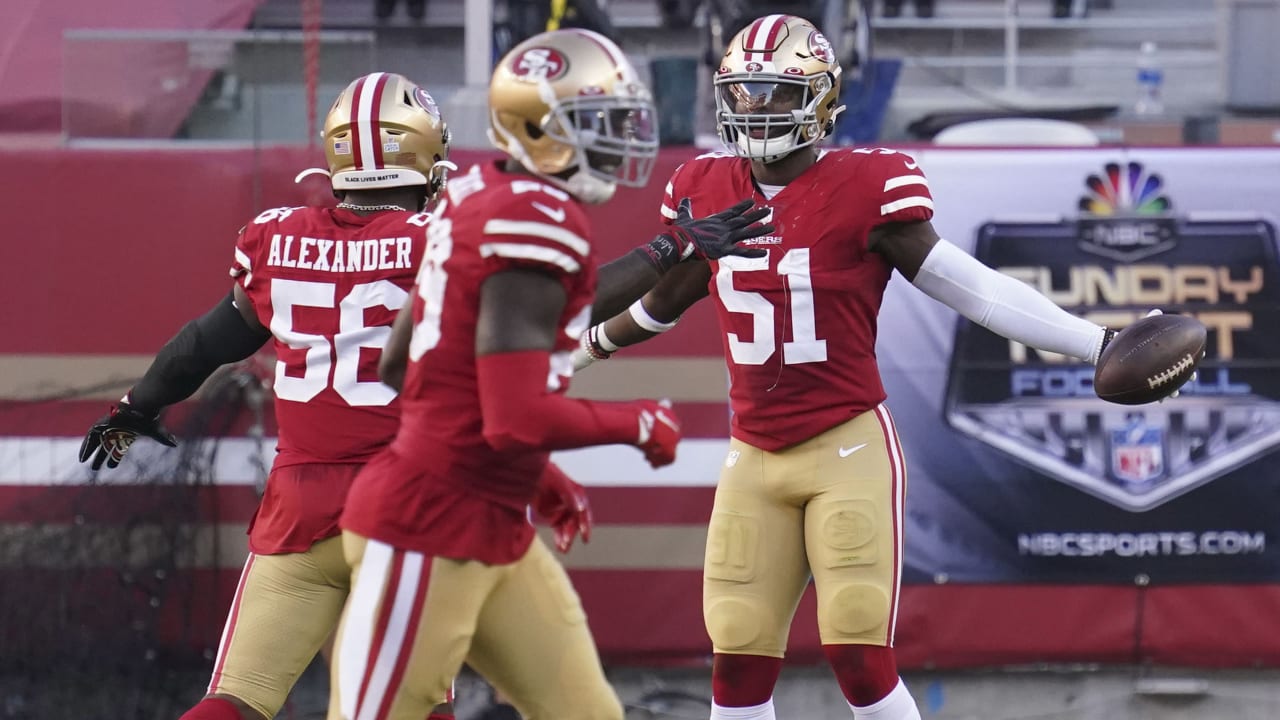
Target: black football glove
{"type": "Point", "coordinates": [715, 236]}
{"type": "Point", "coordinates": [109, 438]}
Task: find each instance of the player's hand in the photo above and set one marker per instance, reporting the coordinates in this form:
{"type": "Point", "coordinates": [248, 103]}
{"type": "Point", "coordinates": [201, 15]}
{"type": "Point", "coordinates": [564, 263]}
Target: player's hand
{"type": "Point", "coordinates": [110, 438]}
{"type": "Point", "coordinates": [659, 432]}
{"type": "Point", "coordinates": [563, 503]}
{"type": "Point", "coordinates": [715, 236]}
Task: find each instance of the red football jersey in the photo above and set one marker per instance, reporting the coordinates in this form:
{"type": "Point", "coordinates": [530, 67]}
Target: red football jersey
{"type": "Point", "coordinates": [440, 488]}
{"type": "Point", "coordinates": [800, 324]}
{"type": "Point", "coordinates": [328, 284]}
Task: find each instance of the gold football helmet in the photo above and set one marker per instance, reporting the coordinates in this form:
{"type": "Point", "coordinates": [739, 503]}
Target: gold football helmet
{"type": "Point", "coordinates": [777, 88]}
{"type": "Point", "coordinates": [568, 105]}
{"type": "Point", "coordinates": [384, 131]}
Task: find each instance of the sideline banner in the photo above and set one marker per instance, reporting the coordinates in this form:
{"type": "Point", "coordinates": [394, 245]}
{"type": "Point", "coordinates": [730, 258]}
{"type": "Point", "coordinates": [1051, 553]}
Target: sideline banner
{"type": "Point", "coordinates": [1018, 472]}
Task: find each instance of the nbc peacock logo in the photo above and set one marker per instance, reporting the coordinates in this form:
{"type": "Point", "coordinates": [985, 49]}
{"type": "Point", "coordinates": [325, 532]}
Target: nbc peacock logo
{"type": "Point", "coordinates": [1125, 215]}
{"type": "Point", "coordinates": [1128, 189]}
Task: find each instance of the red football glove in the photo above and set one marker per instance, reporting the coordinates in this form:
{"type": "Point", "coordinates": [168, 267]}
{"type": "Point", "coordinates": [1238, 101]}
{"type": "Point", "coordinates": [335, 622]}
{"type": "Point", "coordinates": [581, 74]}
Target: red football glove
{"type": "Point", "coordinates": [563, 502]}
{"type": "Point", "coordinates": [659, 432]}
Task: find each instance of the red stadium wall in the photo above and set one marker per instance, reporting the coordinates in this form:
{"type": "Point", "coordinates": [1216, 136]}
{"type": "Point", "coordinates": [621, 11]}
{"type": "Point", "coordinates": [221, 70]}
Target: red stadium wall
{"type": "Point", "coordinates": [110, 251]}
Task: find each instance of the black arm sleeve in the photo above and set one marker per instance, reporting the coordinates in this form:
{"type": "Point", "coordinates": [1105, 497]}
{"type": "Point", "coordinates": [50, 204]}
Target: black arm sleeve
{"type": "Point", "coordinates": [212, 340]}
{"type": "Point", "coordinates": [621, 282]}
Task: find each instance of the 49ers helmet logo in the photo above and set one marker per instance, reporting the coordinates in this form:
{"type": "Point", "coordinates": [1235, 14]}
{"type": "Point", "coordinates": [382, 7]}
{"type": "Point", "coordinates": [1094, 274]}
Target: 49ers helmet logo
{"type": "Point", "coordinates": [540, 63]}
{"type": "Point", "coordinates": [820, 47]}
{"type": "Point", "coordinates": [427, 102]}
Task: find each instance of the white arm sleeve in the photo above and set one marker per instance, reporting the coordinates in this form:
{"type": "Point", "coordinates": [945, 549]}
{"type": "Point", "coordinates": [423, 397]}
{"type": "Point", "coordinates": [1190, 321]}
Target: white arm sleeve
{"type": "Point", "coordinates": [1005, 306]}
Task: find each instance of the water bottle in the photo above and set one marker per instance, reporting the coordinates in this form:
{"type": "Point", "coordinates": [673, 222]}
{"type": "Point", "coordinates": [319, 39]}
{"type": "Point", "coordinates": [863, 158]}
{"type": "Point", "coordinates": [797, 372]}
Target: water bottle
{"type": "Point", "coordinates": [1150, 82]}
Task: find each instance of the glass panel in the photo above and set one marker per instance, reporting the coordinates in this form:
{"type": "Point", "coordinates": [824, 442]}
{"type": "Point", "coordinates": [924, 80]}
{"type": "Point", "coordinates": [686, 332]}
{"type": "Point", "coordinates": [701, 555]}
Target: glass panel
{"type": "Point", "coordinates": [210, 85]}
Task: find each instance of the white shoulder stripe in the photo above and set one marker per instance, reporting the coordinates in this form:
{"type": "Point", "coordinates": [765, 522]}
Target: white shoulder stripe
{"type": "Point", "coordinates": [896, 205]}
{"type": "Point", "coordinates": [903, 180]}
{"type": "Point", "coordinates": [540, 253]}
{"type": "Point", "coordinates": [243, 260]}
{"type": "Point", "coordinates": [668, 212]}
{"type": "Point", "coordinates": [540, 230]}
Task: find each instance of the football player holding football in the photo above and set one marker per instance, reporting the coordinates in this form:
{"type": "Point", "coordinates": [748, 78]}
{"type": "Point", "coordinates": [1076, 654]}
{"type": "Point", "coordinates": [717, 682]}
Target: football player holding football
{"type": "Point", "coordinates": [446, 565]}
{"type": "Point", "coordinates": [325, 284]}
{"type": "Point", "coordinates": [814, 481]}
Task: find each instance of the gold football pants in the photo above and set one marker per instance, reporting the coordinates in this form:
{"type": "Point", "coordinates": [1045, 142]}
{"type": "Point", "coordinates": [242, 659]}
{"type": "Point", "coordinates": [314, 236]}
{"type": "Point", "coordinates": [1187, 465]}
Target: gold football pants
{"type": "Point", "coordinates": [285, 607]}
{"type": "Point", "coordinates": [831, 508]}
{"type": "Point", "coordinates": [412, 620]}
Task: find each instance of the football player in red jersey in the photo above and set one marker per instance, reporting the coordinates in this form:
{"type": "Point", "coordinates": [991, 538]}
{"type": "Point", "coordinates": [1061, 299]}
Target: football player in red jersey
{"type": "Point", "coordinates": [814, 481]}
{"type": "Point", "coordinates": [446, 565]}
{"type": "Point", "coordinates": [325, 284]}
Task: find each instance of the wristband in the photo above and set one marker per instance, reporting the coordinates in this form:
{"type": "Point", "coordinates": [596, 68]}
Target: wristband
{"type": "Point", "coordinates": [596, 344]}
{"type": "Point", "coordinates": [662, 252]}
{"type": "Point", "coordinates": [647, 321]}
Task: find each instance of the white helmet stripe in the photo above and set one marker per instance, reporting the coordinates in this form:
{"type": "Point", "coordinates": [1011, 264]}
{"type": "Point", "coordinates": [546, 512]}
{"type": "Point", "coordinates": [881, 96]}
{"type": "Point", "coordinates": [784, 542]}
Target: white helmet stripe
{"type": "Point", "coordinates": [364, 109]}
{"type": "Point", "coordinates": [763, 30]}
{"type": "Point", "coordinates": [772, 37]}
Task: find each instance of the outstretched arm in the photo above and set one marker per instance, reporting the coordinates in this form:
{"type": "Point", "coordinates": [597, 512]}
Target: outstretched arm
{"type": "Point", "coordinates": [621, 281]}
{"type": "Point", "coordinates": [989, 298]}
{"type": "Point", "coordinates": [227, 333]}
{"type": "Point", "coordinates": [653, 314]}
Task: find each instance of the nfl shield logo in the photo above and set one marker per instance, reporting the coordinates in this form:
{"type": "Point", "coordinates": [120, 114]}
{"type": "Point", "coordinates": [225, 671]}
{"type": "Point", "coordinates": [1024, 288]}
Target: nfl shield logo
{"type": "Point", "coordinates": [1137, 453]}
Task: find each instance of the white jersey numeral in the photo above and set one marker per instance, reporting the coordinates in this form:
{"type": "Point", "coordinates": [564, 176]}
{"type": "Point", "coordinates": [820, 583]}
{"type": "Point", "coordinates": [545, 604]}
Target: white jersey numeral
{"type": "Point", "coordinates": [279, 213]}
{"type": "Point", "coordinates": [432, 279]}
{"type": "Point", "coordinates": [804, 347]}
{"type": "Point", "coordinates": [333, 365]}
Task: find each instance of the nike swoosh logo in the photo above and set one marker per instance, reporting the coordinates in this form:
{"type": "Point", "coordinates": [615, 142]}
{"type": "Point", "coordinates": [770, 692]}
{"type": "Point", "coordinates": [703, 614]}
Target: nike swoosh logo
{"type": "Point", "coordinates": [556, 214]}
{"type": "Point", "coordinates": [911, 164]}
{"type": "Point", "coordinates": [846, 452]}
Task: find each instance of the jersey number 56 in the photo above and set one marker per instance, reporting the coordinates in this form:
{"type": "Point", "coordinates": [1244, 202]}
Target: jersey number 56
{"type": "Point", "coordinates": [336, 363]}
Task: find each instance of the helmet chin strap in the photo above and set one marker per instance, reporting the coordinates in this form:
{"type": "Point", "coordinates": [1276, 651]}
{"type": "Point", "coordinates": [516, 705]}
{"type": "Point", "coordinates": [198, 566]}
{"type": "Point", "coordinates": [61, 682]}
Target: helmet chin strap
{"type": "Point", "coordinates": [589, 188]}
{"type": "Point", "coordinates": [439, 177]}
{"type": "Point", "coordinates": [309, 172]}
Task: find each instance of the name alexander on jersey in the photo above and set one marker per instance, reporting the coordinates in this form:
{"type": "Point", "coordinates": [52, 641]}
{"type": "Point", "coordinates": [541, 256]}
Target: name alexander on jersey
{"type": "Point", "coordinates": [319, 254]}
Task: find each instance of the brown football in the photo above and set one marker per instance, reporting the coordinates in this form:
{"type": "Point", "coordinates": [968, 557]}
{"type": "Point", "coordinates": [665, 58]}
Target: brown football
{"type": "Point", "coordinates": [1150, 359]}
